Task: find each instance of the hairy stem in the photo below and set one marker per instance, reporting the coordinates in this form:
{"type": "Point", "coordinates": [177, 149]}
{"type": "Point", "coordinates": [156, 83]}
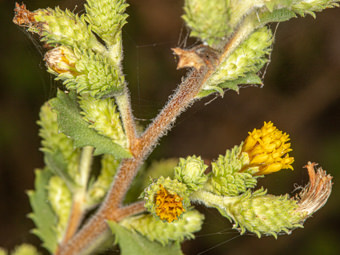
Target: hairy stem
{"type": "Point", "coordinates": [142, 146]}
{"type": "Point", "coordinates": [124, 105]}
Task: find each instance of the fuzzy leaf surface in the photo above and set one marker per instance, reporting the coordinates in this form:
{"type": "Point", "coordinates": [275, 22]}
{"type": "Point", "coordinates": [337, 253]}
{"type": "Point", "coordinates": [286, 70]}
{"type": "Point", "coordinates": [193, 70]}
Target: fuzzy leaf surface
{"type": "Point", "coordinates": [43, 215]}
{"type": "Point", "coordinates": [73, 125]}
{"type": "Point", "coordinates": [131, 243]}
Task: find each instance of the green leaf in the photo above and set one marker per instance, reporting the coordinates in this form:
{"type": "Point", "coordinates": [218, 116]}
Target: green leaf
{"type": "Point", "coordinates": [131, 243]}
{"type": "Point", "coordinates": [43, 215]}
{"type": "Point", "coordinates": [56, 162]}
{"type": "Point", "coordinates": [249, 78]}
{"type": "Point", "coordinates": [278, 15]}
{"type": "Point", "coordinates": [72, 124]}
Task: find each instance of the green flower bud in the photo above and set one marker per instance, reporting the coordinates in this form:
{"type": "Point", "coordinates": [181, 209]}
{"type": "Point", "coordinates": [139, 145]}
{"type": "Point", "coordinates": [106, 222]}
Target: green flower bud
{"type": "Point", "coordinates": [85, 71]}
{"type": "Point", "coordinates": [166, 198]}
{"type": "Point", "coordinates": [190, 171]}
{"type": "Point", "coordinates": [227, 178]}
{"type": "Point", "coordinates": [262, 213]}
{"type": "Point", "coordinates": [60, 199]}
{"type": "Point", "coordinates": [97, 191]}
{"type": "Point", "coordinates": [107, 18]}
{"type": "Point", "coordinates": [61, 60]}
{"type": "Point", "coordinates": [249, 57]}
{"type": "Point", "coordinates": [64, 27]}
{"type": "Point", "coordinates": [24, 249]}
{"type": "Point", "coordinates": [208, 20]}
{"type": "Point", "coordinates": [102, 115]}
{"type": "Point", "coordinates": [55, 142]}
{"type": "Point", "coordinates": [164, 232]}
{"type": "Point", "coordinates": [310, 6]}
{"type": "Point", "coordinates": [265, 214]}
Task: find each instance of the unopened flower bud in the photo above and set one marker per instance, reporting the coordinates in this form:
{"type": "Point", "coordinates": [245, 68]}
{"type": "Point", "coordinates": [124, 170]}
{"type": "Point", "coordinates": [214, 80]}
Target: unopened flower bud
{"type": "Point", "coordinates": [61, 60]}
{"type": "Point", "coordinates": [190, 171]}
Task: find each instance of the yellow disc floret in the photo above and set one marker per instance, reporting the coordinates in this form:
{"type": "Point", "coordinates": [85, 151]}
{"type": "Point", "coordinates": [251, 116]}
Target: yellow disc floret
{"type": "Point", "coordinates": [168, 206]}
{"type": "Point", "coordinates": [268, 149]}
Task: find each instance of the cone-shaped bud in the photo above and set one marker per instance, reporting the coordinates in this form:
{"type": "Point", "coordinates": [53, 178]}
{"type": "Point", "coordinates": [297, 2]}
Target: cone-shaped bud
{"type": "Point", "coordinates": [166, 198]}
{"type": "Point", "coordinates": [268, 149]}
{"type": "Point", "coordinates": [262, 213]}
{"type": "Point", "coordinates": [190, 171]}
{"type": "Point", "coordinates": [97, 191]}
{"type": "Point", "coordinates": [60, 199]}
{"type": "Point", "coordinates": [265, 214]}
{"type": "Point", "coordinates": [24, 249]}
{"type": "Point", "coordinates": [227, 178]}
{"type": "Point", "coordinates": [249, 57]}
{"type": "Point", "coordinates": [107, 17]}
{"type": "Point", "coordinates": [55, 142]}
{"type": "Point", "coordinates": [164, 232]}
{"type": "Point", "coordinates": [61, 60]}
{"type": "Point", "coordinates": [84, 71]}
{"type": "Point", "coordinates": [59, 27]}
{"type": "Point", "coordinates": [208, 20]}
{"type": "Point", "coordinates": [102, 115]}
{"type": "Point", "coordinates": [310, 6]}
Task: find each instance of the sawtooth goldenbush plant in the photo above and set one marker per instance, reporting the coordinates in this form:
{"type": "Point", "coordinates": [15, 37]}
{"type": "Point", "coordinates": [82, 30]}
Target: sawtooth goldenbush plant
{"type": "Point", "coordinates": [78, 205]}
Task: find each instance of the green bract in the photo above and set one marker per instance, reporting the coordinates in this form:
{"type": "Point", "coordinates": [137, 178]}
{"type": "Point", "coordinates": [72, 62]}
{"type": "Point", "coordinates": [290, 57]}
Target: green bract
{"type": "Point", "coordinates": [190, 171]}
{"type": "Point", "coordinates": [60, 199]}
{"type": "Point", "coordinates": [227, 178]}
{"type": "Point", "coordinates": [103, 117]}
{"type": "Point", "coordinates": [310, 6]}
{"type": "Point", "coordinates": [246, 60]}
{"type": "Point", "coordinates": [88, 73]}
{"type": "Point", "coordinates": [66, 28]}
{"type": "Point", "coordinates": [208, 20]}
{"type": "Point", "coordinates": [107, 17]}
{"type": "Point", "coordinates": [263, 213]}
{"type": "Point", "coordinates": [164, 232]}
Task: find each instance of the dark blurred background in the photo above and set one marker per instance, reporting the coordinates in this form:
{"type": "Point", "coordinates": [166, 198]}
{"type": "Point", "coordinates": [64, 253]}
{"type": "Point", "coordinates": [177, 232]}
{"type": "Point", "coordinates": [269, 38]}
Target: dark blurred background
{"type": "Point", "coordinates": [300, 95]}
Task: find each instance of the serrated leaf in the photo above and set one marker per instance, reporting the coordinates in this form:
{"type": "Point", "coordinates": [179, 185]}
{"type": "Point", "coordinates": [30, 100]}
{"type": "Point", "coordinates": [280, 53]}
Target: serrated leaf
{"type": "Point", "coordinates": [131, 243]}
{"type": "Point", "coordinates": [72, 124]}
{"type": "Point", "coordinates": [43, 215]}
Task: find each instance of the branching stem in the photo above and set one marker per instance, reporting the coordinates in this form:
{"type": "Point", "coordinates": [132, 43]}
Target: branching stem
{"type": "Point", "coordinates": [140, 147]}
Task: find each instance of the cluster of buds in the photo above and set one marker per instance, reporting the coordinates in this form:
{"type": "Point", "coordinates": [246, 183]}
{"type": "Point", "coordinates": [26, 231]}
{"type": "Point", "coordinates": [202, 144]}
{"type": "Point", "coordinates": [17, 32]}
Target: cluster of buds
{"type": "Point", "coordinates": [77, 57]}
{"type": "Point", "coordinates": [229, 187]}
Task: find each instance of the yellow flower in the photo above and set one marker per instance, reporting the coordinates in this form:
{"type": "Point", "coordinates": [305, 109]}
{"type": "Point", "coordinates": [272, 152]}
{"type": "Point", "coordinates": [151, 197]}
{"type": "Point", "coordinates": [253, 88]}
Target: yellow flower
{"type": "Point", "coordinates": [168, 206]}
{"type": "Point", "coordinates": [268, 149]}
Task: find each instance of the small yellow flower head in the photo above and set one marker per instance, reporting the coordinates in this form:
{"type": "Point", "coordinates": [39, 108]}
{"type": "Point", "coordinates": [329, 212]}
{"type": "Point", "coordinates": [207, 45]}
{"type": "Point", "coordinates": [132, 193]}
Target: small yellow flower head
{"type": "Point", "coordinates": [166, 199]}
{"type": "Point", "coordinates": [268, 149]}
{"type": "Point", "coordinates": [168, 206]}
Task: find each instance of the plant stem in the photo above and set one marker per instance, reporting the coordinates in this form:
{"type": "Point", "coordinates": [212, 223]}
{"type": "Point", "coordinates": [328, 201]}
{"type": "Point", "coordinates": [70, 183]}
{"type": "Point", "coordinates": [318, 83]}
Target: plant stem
{"type": "Point", "coordinates": [141, 147]}
{"type": "Point", "coordinates": [124, 105]}
{"type": "Point", "coordinates": [78, 208]}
